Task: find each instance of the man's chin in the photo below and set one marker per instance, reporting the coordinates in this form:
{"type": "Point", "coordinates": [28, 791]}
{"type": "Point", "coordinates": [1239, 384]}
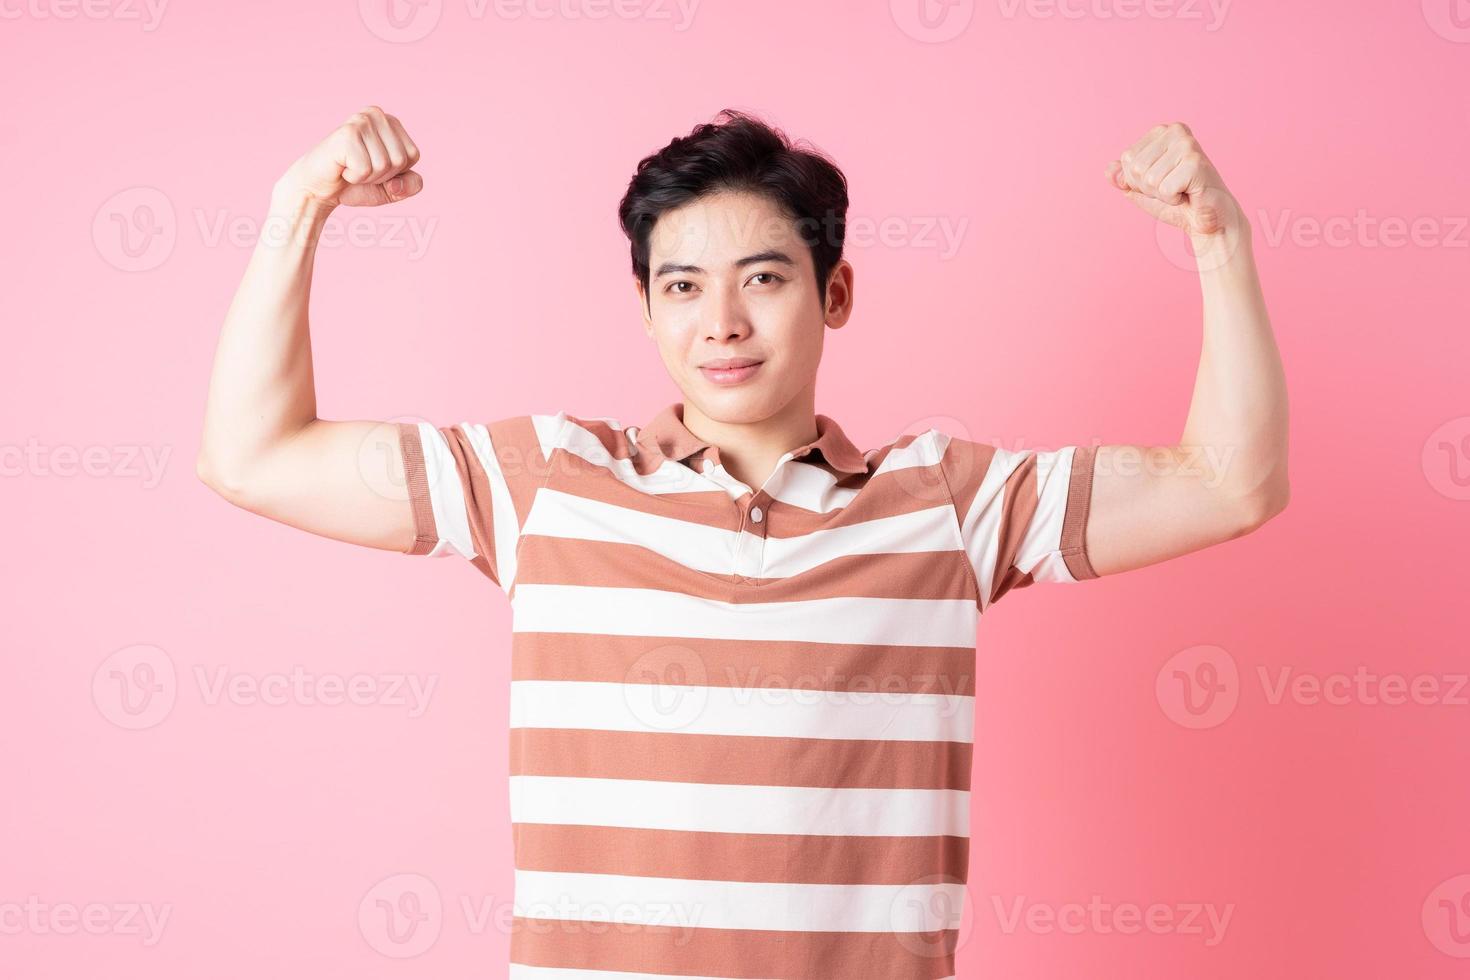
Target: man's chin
{"type": "Point", "coordinates": [733, 404]}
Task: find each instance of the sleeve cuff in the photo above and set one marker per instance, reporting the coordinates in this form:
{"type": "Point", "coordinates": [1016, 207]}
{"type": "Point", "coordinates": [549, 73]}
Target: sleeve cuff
{"type": "Point", "coordinates": [1079, 503]}
{"type": "Point", "coordinates": [426, 534]}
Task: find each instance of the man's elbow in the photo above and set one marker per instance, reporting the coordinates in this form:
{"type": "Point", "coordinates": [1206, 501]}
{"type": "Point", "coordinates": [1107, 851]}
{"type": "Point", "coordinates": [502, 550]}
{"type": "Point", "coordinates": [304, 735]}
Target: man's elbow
{"type": "Point", "coordinates": [225, 481]}
{"type": "Point", "coordinates": [1257, 508]}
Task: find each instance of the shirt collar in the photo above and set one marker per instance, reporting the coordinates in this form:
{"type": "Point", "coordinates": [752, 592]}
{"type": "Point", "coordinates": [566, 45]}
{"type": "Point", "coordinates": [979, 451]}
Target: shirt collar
{"type": "Point", "coordinates": [672, 438]}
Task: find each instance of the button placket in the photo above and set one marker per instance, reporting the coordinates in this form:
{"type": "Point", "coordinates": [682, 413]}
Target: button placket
{"type": "Point", "coordinates": [750, 536]}
{"type": "Point", "coordinates": [755, 518]}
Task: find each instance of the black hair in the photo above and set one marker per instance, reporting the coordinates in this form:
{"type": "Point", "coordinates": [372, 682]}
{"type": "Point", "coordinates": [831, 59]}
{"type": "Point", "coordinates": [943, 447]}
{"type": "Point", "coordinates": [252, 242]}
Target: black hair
{"type": "Point", "coordinates": [738, 152]}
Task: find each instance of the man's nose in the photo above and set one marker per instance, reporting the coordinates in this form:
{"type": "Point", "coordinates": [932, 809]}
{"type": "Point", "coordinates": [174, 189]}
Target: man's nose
{"type": "Point", "coordinates": [728, 316]}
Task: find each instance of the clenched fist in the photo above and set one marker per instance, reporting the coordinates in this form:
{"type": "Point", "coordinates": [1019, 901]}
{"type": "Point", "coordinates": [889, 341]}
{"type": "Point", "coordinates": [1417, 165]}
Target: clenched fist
{"type": "Point", "coordinates": [364, 162]}
{"type": "Point", "coordinates": [1168, 175]}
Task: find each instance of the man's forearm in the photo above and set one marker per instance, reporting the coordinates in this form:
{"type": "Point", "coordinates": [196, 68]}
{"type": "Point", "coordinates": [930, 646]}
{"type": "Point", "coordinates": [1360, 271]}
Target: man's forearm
{"type": "Point", "coordinates": [1239, 407]}
{"type": "Point", "coordinates": [261, 390]}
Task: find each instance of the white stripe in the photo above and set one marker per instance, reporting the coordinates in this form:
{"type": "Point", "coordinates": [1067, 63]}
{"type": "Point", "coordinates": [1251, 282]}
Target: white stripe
{"type": "Point", "coordinates": [653, 612]}
{"type": "Point", "coordinates": [1040, 550]}
{"type": "Point", "coordinates": [739, 809]}
{"type": "Point", "coordinates": [924, 449]}
{"type": "Point", "coordinates": [711, 549]}
{"type": "Point", "coordinates": [808, 487]}
{"type": "Point", "coordinates": [445, 494]}
{"type": "Point", "coordinates": [696, 903]}
{"type": "Point", "coordinates": [693, 545]}
{"type": "Point", "coordinates": [726, 481]}
{"type": "Point", "coordinates": [520, 971]}
{"type": "Point", "coordinates": [926, 530]}
{"type": "Point", "coordinates": [549, 431]}
{"type": "Point", "coordinates": [981, 525]}
{"type": "Point", "coordinates": [670, 477]}
{"type": "Point", "coordinates": [504, 525]}
{"type": "Point", "coordinates": [755, 710]}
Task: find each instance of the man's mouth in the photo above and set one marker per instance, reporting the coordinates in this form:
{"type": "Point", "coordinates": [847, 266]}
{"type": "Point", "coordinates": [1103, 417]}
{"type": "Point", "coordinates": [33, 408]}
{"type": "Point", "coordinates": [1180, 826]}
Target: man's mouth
{"type": "Point", "coordinates": [730, 370]}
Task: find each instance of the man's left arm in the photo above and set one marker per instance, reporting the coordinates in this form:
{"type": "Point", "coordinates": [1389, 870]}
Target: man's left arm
{"type": "Point", "coordinates": [1227, 475]}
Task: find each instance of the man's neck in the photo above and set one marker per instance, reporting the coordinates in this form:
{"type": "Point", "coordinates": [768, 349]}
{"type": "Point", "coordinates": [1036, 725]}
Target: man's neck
{"type": "Point", "coordinates": [751, 450]}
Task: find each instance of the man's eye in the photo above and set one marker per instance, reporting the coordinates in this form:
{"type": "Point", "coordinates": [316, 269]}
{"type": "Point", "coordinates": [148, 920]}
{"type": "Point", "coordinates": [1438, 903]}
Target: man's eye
{"type": "Point", "coordinates": [772, 275]}
{"type": "Point", "coordinates": [681, 282]}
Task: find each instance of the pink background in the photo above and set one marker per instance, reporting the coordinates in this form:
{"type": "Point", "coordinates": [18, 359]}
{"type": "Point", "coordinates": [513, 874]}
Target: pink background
{"type": "Point", "coordinates": [268, 831]}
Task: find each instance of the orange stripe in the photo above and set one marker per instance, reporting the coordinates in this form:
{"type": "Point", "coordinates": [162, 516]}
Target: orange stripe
{"type": "Point", "coordinates": [749, 953]}
{"type": "Point", "coordinates": [592, 481]}
{"type": "Point", "coordinates": [612, 565]}
{"type": "Point", "coordinates": [1013, 578]}
{"type": "Point", "coordinates": [474, 484]}
{"type": "Point", "coordinates": [1079, 503]}
{"type": "Point", "coordinates": [1019, 501]}
{"type": "Point", "coordinates": [965, 464]}
{"type": "Point", "coordinates": [818, 859]}
{"type": "Point", "coordinates": [750, 760]}
{"type": "Point", "coordinates": [426, 535]}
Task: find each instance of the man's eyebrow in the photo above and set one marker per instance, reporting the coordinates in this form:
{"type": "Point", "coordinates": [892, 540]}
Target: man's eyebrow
{"type": "Point", "coordinates": [770, 255]}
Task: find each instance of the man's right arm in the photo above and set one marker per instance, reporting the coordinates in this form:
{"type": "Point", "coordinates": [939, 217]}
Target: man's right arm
{"type": "Point", "coordinates": [263, 447]}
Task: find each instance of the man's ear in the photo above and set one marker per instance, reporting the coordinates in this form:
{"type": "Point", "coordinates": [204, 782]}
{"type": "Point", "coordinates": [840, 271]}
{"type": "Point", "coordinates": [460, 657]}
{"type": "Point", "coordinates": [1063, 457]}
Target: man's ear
{"type": "Point", "coordinates": [839, 294]}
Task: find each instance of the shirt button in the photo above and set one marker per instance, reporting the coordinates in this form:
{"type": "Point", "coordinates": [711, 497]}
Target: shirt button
{"type": "Point", "coordinates": [756, 515]}
{"type": "Point", "coordinates": [709, 466]}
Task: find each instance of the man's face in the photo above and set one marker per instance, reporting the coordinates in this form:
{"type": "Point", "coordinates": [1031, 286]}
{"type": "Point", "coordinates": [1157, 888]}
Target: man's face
{"type": "Point", "coordinates": [732, 278]}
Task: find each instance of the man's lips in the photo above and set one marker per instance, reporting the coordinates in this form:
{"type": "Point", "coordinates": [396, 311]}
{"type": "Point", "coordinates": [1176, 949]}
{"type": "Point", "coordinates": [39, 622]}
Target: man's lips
{"type": "Point", "coordinates": [723, 363]}
{"type": "Point", "coordinates": [743, 368]}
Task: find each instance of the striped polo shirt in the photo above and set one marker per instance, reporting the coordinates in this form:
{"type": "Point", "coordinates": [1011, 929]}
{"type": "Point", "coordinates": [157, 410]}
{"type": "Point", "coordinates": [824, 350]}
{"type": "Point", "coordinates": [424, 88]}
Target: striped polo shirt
{"type": "Point", "coordinates": [741, 718]}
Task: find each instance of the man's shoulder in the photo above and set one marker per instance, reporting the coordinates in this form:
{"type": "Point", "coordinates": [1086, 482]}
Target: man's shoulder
{"type": "Point", "coordinates": [553, 424]}
{"type": "Point", "coordinates": [921, 442]}
{"type": "Point", "coordinates": [567, 430]}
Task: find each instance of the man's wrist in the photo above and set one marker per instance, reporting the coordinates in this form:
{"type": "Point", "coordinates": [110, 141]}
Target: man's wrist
{"type": "Point", "coordinates": [1234, 237]}
{"type": "Point", "coordinates": [294, 216]}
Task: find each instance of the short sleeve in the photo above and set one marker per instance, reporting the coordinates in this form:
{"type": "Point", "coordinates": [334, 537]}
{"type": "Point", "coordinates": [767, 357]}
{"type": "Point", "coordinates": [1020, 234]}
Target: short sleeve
{"type": "Point", "coordinates": [471, 485]}
{"type": "Point", "coordinates": [1022, 513]}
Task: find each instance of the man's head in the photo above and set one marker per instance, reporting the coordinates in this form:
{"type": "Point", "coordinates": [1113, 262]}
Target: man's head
{"type": "Point", "coordinates": [736, 237]}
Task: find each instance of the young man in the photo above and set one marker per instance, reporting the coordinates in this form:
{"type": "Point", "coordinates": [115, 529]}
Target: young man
{"type": "Point", "coordinates": [743, 649]}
